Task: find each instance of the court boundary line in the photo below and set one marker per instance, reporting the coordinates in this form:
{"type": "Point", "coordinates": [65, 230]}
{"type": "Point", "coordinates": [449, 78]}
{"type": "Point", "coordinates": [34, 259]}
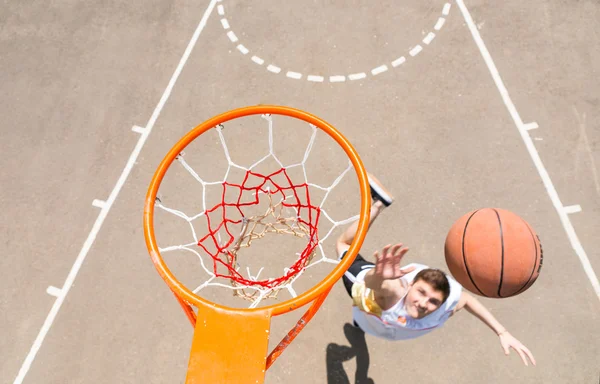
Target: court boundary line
{"type": "Point", "coordinates": [563, 212]}
{"type": "Point", "coordinates": [144, 133]}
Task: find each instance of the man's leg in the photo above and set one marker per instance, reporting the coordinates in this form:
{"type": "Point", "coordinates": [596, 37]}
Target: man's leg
{"type": "Point", "coordinates": [381, 198]}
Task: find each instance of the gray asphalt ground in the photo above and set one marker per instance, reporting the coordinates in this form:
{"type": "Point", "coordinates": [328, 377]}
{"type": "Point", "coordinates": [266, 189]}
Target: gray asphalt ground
{"type": "Point", "coordinates": [76, 77]}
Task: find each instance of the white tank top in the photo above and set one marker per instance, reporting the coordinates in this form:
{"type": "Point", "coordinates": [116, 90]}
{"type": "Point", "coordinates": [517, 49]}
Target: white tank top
{"type": "Point", "coordinates": [394, 323]}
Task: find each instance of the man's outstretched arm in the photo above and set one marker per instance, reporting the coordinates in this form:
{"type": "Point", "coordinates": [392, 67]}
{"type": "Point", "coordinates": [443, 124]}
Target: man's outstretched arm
{"type": "Point", "coordinates": [474, 307]}
{"type": "Point", "coordinates": [383, 279]}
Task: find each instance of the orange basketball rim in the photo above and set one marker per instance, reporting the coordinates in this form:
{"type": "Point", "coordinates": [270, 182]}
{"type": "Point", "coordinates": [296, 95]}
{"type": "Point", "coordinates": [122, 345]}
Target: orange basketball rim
{"type": "Point", "coordinates": [230, 345]}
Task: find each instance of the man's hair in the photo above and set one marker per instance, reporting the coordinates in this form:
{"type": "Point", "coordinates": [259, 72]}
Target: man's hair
{"type": "Point", "coordinates": [437, 279]}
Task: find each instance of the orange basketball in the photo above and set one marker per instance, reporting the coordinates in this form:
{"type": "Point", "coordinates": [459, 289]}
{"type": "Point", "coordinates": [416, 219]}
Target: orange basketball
{"type": "Point", "coordinates": [493, 252]}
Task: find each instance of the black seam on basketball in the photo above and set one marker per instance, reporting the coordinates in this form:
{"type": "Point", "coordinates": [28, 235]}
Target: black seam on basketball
{"type": "Point", "coordinates": [534, 263]}
{"type": "Point", "coordinates": [465, 256]}
{"type": "Point", "coordinates": [502, 259]}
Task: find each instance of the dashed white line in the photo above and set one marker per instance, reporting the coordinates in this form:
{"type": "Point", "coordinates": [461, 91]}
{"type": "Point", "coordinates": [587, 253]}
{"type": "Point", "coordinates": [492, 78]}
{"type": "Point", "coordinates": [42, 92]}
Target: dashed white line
{"type": "Point", "coordinates": [99, 203]}
{"type": "Point", "coordinates": [378, 70]}
{"type": "Point", "coordinates": [273, 68]}
{"type": "Point", "coordinates": [232, 36]}
{"type": "Point", "coordinates": [429, 38]}
{"type": "Point", "coordinates": [446, 9]}
{"type": "Point", "coordinates": [89, 241]}
{"type": "Point", "coordinates": [357, 76]}
{"type": "Point", "coordinates": [294, 75]}
{"type": "Point", "coordinates": [439, 24]}
{"type": "Point", "coordinates": [337, 79]}
{"type": "Point", "coordinates": [537, 161]}
{"type": "Point", "coordinates": [398, 61]}
{"type": "Point", "coordinates": [258, 60]}
{"type": "Point", "coordinates": [415, 51]}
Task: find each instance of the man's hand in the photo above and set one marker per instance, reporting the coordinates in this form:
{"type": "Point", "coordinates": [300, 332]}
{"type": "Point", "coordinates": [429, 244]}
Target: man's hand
{"type": "Point", "coordinates": [508, 341]}
{"type": "Point", "coordinates": [387, 264]}
{"type": "Point", "coordinates": [382, 279]}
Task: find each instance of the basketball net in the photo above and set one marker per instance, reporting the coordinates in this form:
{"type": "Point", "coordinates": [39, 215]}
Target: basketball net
{"type": "Point", "coordinates": [236, 230]}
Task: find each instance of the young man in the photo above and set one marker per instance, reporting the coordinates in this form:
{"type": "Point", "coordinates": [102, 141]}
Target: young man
{"type": "Point", "coordinates": [403, 303]}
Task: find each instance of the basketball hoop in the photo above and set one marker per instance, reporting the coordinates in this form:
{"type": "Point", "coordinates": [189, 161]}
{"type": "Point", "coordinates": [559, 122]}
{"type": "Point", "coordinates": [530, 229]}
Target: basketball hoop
{"type": "Point", "coordinates": [230, 344]}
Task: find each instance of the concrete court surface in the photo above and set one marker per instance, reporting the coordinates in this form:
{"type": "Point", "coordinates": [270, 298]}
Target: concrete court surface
{"type": "Point", "coordinates": [78, 76]}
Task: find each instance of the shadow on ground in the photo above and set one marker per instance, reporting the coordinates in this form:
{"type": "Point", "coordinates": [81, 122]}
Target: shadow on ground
{"type": "Point", "coordinates": [338, 354]}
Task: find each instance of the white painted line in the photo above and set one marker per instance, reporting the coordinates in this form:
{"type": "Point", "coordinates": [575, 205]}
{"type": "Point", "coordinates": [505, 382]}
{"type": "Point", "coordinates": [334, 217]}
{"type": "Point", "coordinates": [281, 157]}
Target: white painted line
{"type": "Point", "coordinates": [564, 218]}
{"type": "Point", "coordinates": [258, 60]}
{"type": "Point", "coordinates": [357, 76]}
{"type": "Point", "coordinates": [138, 129]}
{"type": "Point", "coordinates": [530, 126]}
{"type": "Point", "coordinates": [538, 139]}
{"type": "Point", "coordinates": [53, 291]}
{"type": "Point", "coordinates": [294, 75]}
{"type": "Point", "coordinates": [439, 24]}
{"type": "Point", "coordinates": [429, 38]}
{"type": "Point", "coordinates": [232, 36]}
{"type": "Point", "coordinates": [380, 69]}
{"type": "Point", "coordinates": [99, 203]}
{"type": "Point", "coordinates": [415, 51]}
{"type": "Point", "coordinates": [337, 79]}
{"type": "Point", "coordinates": [398, 61]}
{"type": "Point", "coordinates": [446, 9]}
{"type": "Point", "coordinates": [274, 69]}
{"type": "Point", "coordinates": [572, 209]}
{"type": "Point", "coordinates": [89, 241]}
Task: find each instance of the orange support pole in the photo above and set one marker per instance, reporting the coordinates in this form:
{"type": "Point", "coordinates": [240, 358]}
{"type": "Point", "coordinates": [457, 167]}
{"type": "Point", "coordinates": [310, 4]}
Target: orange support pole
{"type": "Point", "coordinates": [229, 347]}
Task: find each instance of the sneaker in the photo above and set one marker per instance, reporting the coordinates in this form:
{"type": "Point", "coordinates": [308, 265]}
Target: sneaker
{"type": "Point", "coordinates": [378, 191]}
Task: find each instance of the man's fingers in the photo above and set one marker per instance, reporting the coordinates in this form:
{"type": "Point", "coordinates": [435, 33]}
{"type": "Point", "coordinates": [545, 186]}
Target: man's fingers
{"type": "Point", "coordinates": [399, 249]}
{"type": "Point", "coordinates": [529, 354]}
{"type": "Point", "coordinates": [403, 251]}
{"type": "Point", "coordinates": [377, 258]}
{"type": "Point", "coordinates": [395, 249]}
{"type": "Point", "coordinates": [407, 270]}
{"type": "Point", "coordinates": [522, 354]}
{"type": "Point", "coordinates": [386, 248]}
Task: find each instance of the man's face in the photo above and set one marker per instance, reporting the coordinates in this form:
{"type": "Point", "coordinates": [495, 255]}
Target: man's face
{"type": "Point", "coordinates": [422, 299]}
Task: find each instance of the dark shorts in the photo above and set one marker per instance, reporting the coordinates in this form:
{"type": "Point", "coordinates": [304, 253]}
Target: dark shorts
{"type": "Point", "coordinates": [358, 265]}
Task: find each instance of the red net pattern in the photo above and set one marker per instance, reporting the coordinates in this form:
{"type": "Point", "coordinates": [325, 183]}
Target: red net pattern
{"type": "Point", "coordinates": [241, 197]}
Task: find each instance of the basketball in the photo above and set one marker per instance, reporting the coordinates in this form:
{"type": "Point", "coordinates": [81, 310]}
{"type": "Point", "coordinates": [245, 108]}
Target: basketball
{"type": "Point", "coordinates": [493, 252]}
